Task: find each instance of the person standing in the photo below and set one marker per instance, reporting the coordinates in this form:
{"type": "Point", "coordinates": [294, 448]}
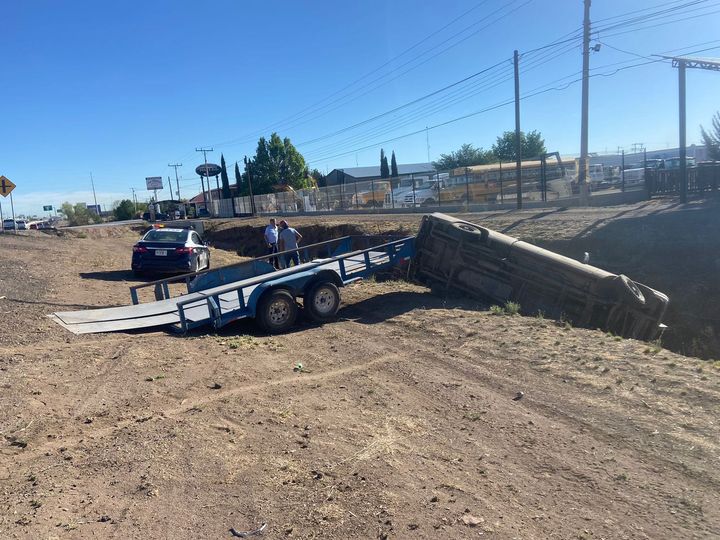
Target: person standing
{"type": "Point", "coordinates": [271, 239]}
{"type": "Point", "coordinates": [288, 241]}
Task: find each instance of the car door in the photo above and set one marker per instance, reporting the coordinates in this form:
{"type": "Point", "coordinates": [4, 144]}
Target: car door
{"type": "Point", "coordinates": [202, 249]}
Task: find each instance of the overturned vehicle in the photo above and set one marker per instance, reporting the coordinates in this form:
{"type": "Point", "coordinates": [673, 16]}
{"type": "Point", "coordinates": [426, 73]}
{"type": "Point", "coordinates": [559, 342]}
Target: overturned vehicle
{"type": "Point", "coordinates": [457, 256]}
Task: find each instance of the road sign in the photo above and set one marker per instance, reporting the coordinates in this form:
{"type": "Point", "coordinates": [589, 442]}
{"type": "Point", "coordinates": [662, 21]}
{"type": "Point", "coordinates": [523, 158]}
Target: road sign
{"type": "Point", "coordinates": [6, 186]}
{"type": "Point", "coordinates": [209, 169]}
{"type": "Point", "coordinates": [47, 208]}
{"type": "Point", "coordinates": [154, 182]}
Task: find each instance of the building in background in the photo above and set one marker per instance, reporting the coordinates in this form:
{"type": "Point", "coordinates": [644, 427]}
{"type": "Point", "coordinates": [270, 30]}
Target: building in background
{"type": "Point", "coordinates": [351, 175]}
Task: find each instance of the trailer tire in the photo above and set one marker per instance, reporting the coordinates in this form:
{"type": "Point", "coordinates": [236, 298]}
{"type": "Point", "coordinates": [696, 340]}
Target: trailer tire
{"type": "Point", "coordinates": [322, 301]}
{"type": "Point", "coordinates": [277, 311]}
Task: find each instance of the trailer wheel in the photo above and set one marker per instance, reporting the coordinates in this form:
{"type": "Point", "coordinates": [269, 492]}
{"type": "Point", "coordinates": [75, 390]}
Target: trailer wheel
{"type": "Point", "coordinates": [322, 301]}
{"type": "Point", "coordinates": [277, 311]}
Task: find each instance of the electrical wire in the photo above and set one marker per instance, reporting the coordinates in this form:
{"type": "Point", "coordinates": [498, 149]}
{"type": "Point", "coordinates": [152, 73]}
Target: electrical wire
{"type": "Point", "coordinates": [535, 92]}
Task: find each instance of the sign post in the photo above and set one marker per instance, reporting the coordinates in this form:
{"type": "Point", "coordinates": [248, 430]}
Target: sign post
{"type": "Point", "coordinates": [154, 183]}
{"type": "Point", "coordinates": [6, 188]}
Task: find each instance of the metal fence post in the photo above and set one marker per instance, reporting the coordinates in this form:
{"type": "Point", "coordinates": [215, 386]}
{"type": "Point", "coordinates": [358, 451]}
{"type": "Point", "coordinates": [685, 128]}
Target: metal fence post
{"type": "Point", "coordinates": [439, 188]}
{"type": "Point", "coordinates": [356, 195]}
{"type": "Point", "coordinates": [342, 190]}
{"type": "Point", "coordinates": [622, 170]}
{"type": "Point", "coordinates": [502, 196]}
{"type": "Point", "coordinates": [467, 188]}
{"type": "Point", "coordinates": [648, 188]}
{"type": "Point", "coordinates": [412, 179]}
{"type": "Point", "coordinates": [392, 193]}
{"type": "Point", "coordinates": [372, 189]}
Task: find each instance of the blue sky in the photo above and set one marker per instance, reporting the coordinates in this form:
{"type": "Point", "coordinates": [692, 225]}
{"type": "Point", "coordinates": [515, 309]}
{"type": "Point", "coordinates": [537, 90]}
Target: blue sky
{"type": "Point", "coordinates": [124, 88]}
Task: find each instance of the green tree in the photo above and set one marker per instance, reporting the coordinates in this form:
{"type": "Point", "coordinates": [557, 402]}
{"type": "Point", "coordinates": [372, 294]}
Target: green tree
{"type": "Point", "coordinates": [277, 162]}
{"type": "Point", "coordinates": [712, 138]}
{"type": "Point", "coordinates": [224, 178]}
{"type": "Point", "coordinates": [532, 146]}
{"type": "Point", "coordinates": [240, 182]}
{"type": "Point", "coordinates": [466, 156]}
{"type": "Point", "coordinates": [393, 166]}
{"type": "Point", "coordinates": [125, 209]}
{"type": "Point", "coordinates": [384, 169]}
{"type": "Point", "coordinates": [79, 214]}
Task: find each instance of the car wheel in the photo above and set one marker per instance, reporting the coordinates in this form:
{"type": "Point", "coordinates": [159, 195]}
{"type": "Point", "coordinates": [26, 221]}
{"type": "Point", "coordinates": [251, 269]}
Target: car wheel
{"type": "Point", "coordinates": [322, 301]}
{"type": "Point", "coordinates": [277, 311]}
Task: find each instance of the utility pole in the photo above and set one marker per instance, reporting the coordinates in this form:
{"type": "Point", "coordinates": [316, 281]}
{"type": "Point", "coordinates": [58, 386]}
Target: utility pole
{"type": "Point", "coordinates": [92, 183]}
{"type": "Point", "coordinates": [518, 142]}
{"type": "Point", "coordinates": [176, 165]}
{"type": "Point", "coordinates": [682, 123]}
{"type": "Point", "coordinates": [582, 173]}
{"type": "Point", "coordinates": [427, 141]}
{"type": "Point", "coordinates": [205, 151]}
{"type": "Point", "coordinates": [134, 198]}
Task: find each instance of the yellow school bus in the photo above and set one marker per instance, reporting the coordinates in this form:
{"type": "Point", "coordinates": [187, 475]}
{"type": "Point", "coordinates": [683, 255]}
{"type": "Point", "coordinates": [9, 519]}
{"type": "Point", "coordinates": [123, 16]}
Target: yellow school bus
{"type": "Point", "coordinates": [372, 195]}
{"type": "Point", "coordinates": [482, 183]}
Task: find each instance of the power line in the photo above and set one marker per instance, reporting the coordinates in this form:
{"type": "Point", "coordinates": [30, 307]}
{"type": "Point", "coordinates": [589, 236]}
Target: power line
{"type": "Point", "coordinates": [660, 14]}
{"type": "Point", "coordinates": [535, 92]}
{"type": "Point", "coordinates": [375, 70]}
{"type": "Point", "coordinates": [444, 102]}
{"type": "Point", "coordinates": [348, 99]}
{"type": "Point", "coordinates": [427, 110]}
{"type": "Point", "coordinates": [405, 105]}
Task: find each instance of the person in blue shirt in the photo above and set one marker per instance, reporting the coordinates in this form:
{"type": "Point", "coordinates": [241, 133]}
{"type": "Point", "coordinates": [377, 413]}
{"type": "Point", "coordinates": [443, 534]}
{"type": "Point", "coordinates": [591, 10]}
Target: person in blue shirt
{"type": "Point", "coordinates": [288, 240]}
{"type": "Point", "coordinates": [271, 239]}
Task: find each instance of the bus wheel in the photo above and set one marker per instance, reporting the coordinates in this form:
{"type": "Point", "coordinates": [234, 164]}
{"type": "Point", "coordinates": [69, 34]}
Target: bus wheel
{"type": "Point", "coordinates": [277, 311]}
{"type": "Point", "coordinates": [322, 301]}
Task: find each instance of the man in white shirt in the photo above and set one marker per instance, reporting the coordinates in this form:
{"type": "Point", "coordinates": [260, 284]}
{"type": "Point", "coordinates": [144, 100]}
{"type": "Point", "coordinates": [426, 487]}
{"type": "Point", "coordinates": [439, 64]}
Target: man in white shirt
{"type": "Point", "coordinates": [288, 240]}
{"type": "Point", "coordinates": [271, 239]}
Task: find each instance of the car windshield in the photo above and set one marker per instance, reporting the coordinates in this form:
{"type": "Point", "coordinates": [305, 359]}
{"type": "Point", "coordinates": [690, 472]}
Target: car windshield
{"type": "Point", "coordinates": [166, 235]}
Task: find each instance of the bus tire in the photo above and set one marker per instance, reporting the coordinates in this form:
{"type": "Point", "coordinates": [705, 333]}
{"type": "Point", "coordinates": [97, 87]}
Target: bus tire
{"type": "Point", "coordinates": [628, 290]}
{"type": "Point", "coordinates": [277, 311]}
{"type": "Point", "coordinates": [322, 301]}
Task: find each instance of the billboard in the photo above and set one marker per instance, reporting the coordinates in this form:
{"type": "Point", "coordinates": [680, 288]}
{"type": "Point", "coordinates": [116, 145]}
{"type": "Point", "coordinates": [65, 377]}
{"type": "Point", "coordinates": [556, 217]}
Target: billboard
{"type": "Point", "coordinates": [47, 208]}
{"type": "Point", "coordinates": [154, 182]}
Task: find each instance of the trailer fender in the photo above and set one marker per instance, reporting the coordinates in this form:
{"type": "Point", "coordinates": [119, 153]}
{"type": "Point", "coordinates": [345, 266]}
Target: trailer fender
{"type": "Point", "coordinates": [329, 276]}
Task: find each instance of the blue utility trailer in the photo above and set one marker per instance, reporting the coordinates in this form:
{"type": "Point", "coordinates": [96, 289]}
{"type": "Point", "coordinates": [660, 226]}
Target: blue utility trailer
{"type": "Point", "coordinates": [252, 289]}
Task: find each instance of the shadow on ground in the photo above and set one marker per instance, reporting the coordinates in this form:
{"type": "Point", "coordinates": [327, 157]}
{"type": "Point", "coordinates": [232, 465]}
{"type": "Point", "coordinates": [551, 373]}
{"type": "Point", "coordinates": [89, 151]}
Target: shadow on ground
{"type": "Point", "coordinates": [113, 275]}
{"type": "Point", "coordinates": [380, 308]}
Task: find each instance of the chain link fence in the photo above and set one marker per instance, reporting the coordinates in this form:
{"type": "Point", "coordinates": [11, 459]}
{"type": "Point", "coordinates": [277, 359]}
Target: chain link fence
{"type": "Point", "coordinates": [495, 185]}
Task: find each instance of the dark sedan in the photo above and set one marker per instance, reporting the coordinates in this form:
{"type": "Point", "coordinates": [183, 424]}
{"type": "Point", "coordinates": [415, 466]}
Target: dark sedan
{"type": "Point", "coordinates": [166, 250]}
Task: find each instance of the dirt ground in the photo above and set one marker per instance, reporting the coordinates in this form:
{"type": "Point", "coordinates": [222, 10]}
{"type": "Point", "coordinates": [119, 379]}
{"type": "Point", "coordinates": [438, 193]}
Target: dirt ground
{"type": "Point", "coordinates": [401, 424]}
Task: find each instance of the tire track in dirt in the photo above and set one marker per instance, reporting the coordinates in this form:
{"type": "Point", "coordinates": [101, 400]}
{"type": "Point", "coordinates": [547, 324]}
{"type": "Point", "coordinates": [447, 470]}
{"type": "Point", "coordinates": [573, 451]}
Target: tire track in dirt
{"type": "Point", "coordinates": [191, 403]}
